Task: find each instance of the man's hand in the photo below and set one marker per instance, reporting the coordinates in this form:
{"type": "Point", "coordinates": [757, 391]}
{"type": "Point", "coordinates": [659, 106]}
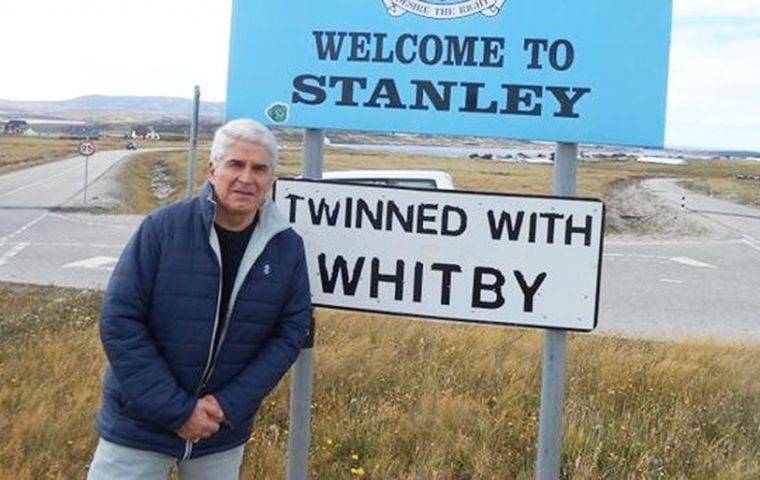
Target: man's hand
{"type": "Point", "coordinates": [213, 409]}
{"type": "Point", "coordinates": [204, 422]}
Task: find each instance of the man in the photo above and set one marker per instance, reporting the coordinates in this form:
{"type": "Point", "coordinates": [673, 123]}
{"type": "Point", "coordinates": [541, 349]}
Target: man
{"type": "Point", "coordinates": [205, 312]}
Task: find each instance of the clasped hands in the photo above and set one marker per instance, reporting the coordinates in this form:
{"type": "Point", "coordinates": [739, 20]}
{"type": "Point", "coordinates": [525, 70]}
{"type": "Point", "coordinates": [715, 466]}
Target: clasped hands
{"type": "Point", "coordinates": [206, 419]}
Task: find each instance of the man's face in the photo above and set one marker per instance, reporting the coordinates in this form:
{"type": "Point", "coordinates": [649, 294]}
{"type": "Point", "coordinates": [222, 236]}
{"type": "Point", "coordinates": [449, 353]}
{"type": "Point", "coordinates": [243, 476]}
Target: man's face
{"type": "Point", "coordinates": [242, 178]}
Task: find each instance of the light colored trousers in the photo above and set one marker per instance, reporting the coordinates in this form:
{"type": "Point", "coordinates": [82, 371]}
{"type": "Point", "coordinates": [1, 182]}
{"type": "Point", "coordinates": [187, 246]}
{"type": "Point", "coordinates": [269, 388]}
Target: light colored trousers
{"type": "Point", "coordinates": [115, 462]}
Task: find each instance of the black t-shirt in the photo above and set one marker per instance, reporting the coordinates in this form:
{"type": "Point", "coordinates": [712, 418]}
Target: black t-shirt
{"type": "Point", "coordinates": [232, 245]}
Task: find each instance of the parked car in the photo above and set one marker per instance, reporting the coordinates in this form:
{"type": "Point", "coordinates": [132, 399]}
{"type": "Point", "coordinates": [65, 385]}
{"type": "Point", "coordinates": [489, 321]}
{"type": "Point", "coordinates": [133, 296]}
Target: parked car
{"type": "Point", "coordinates": [131, 145]}
{"type": "Point", "coordinates": [433, 179]}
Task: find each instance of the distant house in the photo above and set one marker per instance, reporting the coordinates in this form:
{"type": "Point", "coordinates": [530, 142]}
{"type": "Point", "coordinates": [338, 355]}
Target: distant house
{"type": "Point", "coordinates": [138, 131]}
{"type": "Point", "coordinates": [152, 134]}
{"type": "Point", "coordinates": [147, 133]}
{"type": "Point", "coordinates": [15, 127]}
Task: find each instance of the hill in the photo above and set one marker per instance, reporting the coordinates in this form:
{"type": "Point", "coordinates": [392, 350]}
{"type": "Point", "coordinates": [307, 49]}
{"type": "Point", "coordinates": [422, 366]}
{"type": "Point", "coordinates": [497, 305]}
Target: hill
{"type": "Point", "coordinates": [110, 108]}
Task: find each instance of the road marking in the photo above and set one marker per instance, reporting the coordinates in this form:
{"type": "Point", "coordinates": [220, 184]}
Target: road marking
{"type": "Point", "coordinates": [89, 223]}
{"type": "Point", "coordinates": [682, 260]}
{"type": "Point", "coordinates": [691, 262]}
{"type": "Point", "coordinates": [30, 185]}
{"type": "Point", "coordinates": [670, 280]}
{"type": "Point", "coordinates": [12, 252]}
{"type": "Point", "coordinates": [78, 245]}
{"type": "Point", "coordinates": [751, 241]}
{"type": "Point", "coordinates": [5, 239]}
{"type": "Point", "coordinates": [95, 263]}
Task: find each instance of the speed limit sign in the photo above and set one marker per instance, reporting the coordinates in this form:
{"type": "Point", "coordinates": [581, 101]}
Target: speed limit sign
{"type": "Point", "coordinates": [86, 148]}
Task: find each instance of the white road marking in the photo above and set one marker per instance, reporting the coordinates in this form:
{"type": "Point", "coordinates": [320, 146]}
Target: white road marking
{"type": "Point", "coordinates": [46, 179]}
{"type": "Point", "coordinates": [12, 252]}
{"type": "Point", "coordinates": [89, 223]}
{"type": "Point", "coordinates": [78, 245]}
{"type": "Point", "coordinates": [5, 239]}
{"type": "Point", "coordinates": [96, 263]}
{"type": "Point", "coordinates": [751, 241]}
{"type": "Point", "coordinates": [691, 262]}
{"type": "Point", "coordinates": [682, 260]}
{"type": "Point", "coordinates": [670, 280]}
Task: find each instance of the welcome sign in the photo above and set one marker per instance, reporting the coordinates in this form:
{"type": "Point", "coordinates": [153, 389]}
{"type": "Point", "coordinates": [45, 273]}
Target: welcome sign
{"type": "Point", "coordinates": [582, 71]}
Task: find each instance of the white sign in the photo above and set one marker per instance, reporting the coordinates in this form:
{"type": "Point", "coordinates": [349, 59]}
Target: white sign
{"type": "Point", "coordinates": [486, 258]}
{"type": "Point", "coordinates": [86, 148]}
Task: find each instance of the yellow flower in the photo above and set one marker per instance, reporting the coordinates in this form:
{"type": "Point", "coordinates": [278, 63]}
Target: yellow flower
{"type": "Point", "coordinates": [329, 441]}
{"type": "Point", "coordinates": [358, 471]}
{"type": "Point", "coordinates": [354, 456]}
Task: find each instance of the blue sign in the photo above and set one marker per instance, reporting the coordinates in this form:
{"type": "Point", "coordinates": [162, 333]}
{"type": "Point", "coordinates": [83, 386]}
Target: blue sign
{"type": "Point", "coordinates": [582, 71]}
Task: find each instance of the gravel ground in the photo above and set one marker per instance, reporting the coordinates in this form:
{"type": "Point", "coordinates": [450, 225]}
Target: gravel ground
{"type": "Point", "coordinates": [634, 211]}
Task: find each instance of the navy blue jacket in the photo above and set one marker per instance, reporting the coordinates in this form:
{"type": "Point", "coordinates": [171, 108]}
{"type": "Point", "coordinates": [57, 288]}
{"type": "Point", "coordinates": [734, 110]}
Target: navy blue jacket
{"type": "Point", "coordinates": [159, 316]}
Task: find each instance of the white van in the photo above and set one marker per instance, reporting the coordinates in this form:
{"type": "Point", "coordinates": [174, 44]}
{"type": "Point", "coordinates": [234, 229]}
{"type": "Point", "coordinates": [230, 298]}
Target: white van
{"type": "Point", "coordinates": [433, 179]}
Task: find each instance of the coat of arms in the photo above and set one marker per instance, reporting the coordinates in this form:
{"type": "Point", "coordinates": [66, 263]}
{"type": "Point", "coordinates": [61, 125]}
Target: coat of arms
{"type": "Point", "coordinates": [444, 9]}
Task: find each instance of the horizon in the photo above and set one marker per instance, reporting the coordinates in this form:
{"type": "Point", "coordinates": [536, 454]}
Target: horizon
{"type": "Point", "coordinates": [713, 100]}
{"type": "Point", "coordinates": [666, 147]}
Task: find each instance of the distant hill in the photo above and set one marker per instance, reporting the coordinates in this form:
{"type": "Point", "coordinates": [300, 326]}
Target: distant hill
{"type": "Point", "coordinates": [112, 108]}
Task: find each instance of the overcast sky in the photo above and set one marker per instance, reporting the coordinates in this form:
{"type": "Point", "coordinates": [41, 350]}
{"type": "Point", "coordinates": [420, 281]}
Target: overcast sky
{"type": "Point", "coordinates": [61, 49]}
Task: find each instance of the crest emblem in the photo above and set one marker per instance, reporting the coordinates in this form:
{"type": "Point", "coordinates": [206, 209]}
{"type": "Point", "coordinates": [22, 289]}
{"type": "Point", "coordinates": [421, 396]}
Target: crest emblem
{"type": "Point", "coordinates": [444, 9]}
{"type": "Point", "coordinates": [277, 112]}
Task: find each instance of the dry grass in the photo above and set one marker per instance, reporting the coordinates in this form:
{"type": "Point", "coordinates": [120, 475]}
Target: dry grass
{"type": "Point", "coordinates": [637, 216]}
{"type": "Point", "coordinates": [404, 399]}
{"type": "Point", "coordinates": [18, 151]}
{"type": "Point", "coordinates": [138, 179]}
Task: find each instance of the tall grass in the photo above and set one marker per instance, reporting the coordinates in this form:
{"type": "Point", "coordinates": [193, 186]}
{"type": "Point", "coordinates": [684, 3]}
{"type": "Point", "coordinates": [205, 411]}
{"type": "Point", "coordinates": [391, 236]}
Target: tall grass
{"type": "Point", "coordinates": [403, 399]}
{"type": "Point", "coordinates": [595, 179]}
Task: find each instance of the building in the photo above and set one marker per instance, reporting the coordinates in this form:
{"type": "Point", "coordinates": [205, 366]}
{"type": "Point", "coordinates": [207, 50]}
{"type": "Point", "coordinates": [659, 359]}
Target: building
{"type": "Point", "coordinates": [15, 127]}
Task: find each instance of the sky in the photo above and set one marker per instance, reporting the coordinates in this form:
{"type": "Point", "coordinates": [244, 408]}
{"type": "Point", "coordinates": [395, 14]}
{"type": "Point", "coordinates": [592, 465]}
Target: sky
{"type": "Point", "coordinates": [61, 49]}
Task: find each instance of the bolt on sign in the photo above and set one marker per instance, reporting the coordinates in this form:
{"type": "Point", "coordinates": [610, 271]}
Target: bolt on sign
{"type": "Point", "coordinates": [474, 257]}
{"type": "Point", "coordinates": [586, 71]}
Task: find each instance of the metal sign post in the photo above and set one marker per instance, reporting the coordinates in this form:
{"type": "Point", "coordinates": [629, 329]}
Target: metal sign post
{"type": "Point", "coordinates": [86, 149]}
{"type": "Point", "coordinates": [555, 342]}
{"type": "Point", "coordinates": [193, 142]}
{"type": "Point", "coordinates": [303, 368]}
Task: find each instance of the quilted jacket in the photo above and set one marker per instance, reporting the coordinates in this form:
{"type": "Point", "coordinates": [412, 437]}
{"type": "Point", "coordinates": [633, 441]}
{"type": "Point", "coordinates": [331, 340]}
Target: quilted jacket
{"type": "Point", "coordinates": [159, 316]}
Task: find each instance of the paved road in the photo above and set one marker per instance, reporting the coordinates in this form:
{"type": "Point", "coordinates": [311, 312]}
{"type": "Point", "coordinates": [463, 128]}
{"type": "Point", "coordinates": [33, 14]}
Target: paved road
{"type": "Point", "coordinates": [696, 288]}
{"type": "Point", "coordinates": [37, 244]}
{"type": "Point", "coordinates": [705, 287]}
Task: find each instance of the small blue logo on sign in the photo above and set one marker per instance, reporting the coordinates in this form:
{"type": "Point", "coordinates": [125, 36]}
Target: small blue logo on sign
{"type": "Point", "coordinates": [278, 112]}
{"type": "Point", "coordinates": [444, 9]}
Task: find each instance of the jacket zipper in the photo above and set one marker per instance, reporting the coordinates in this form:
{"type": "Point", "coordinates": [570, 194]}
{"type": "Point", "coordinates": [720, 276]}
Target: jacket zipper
{"type": "Point", "coordinates": [211, 357]}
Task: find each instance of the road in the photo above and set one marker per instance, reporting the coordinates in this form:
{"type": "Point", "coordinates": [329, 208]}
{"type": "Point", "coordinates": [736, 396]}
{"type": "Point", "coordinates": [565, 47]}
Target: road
{"type": "Point", "coordinates": [702, 288]}
{"type": "Point", "coordinates": [40, 245]}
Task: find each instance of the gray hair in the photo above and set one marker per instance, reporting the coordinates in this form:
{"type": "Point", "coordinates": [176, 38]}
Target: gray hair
{"type": "Point", "coordinates": [247, 130]}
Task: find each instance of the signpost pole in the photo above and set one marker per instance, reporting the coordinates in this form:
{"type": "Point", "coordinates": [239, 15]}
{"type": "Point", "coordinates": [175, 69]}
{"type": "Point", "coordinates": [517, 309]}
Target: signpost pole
{"type": "Point", "coordinates": [555, 342]}
{"type": "Point", "coordinates": [303, 368]}
{"type": "Point", "coordinates": [193, 142]}
{"type": "Point", "coordinates": [85, 149]}
{"type": "Point", "coordinates": [86, 168]}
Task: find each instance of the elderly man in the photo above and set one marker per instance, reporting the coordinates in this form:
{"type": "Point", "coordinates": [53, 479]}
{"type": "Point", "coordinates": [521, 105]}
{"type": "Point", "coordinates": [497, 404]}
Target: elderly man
{"type": "Point", "coordinates": [205, 312]}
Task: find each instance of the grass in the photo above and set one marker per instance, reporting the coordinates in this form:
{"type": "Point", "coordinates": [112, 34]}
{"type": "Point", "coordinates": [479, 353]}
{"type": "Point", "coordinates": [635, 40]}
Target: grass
{"type": "Point", "coordinates": [403, 399]}
{"type": "Point", "coordinates": [595, 179]}
{"type": "Point", "coordinates": [18, 151]}
{"type": "Point", "coordinates": [139, 180]}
